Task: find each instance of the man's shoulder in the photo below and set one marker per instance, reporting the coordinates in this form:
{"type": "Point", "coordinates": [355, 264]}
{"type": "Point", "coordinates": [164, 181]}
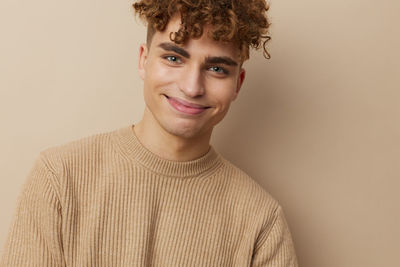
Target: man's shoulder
{"type": "Point", "coordinates": [247, 188]}
{"type": "Point", "coordinates": [88, 147]}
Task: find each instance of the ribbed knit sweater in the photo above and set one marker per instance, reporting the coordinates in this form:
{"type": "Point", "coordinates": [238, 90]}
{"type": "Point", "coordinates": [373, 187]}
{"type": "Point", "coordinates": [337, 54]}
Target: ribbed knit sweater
{"type": "Point", "coordinates": [106, 200]}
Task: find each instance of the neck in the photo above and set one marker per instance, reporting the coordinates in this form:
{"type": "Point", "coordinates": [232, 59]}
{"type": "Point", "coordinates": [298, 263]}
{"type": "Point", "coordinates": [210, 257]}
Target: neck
{"type": "Point", "coordinates": [167, 145]}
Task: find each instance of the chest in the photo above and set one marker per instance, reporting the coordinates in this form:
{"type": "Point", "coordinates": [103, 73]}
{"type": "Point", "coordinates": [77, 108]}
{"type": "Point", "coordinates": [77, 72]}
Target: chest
{"type": "Point", "coordinates": [142, 223]}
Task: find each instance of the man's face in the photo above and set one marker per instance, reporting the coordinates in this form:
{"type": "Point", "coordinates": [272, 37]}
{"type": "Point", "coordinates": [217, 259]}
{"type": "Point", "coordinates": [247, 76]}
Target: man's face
{"type": "Point", "coordinates": [202, 72]}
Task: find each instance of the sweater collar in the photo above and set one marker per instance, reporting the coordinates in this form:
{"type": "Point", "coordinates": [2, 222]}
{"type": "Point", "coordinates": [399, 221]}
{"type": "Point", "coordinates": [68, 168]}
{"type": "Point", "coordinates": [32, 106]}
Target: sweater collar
{"type": "Point", "coordinates": [132, 148]}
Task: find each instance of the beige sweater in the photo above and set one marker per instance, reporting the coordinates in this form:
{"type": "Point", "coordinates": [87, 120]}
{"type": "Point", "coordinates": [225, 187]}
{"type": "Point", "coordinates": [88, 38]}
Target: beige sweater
{"type": "Point", "coordinates": [105, 200]}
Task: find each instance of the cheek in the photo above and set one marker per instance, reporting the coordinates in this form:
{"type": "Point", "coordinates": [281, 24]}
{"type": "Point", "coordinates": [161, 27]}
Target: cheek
{"type": "Point", "coordinates": [157, 74]}
{"type": "Point", "coordinates": [222, 91]}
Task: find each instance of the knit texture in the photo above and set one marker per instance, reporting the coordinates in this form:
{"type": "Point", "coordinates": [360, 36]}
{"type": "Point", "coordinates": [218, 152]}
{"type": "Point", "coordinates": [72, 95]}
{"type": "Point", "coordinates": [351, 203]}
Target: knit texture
{"type": "Point", "coordinates": [106, 200]}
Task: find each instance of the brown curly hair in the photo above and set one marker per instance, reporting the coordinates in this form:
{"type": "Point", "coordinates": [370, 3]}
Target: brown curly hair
{"type": "Point", "coordinates": [243, 22]}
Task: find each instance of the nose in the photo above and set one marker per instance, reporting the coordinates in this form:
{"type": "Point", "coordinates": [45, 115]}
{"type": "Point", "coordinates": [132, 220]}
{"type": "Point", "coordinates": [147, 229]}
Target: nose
{"type": "Point", "coordinates": [191, 82]}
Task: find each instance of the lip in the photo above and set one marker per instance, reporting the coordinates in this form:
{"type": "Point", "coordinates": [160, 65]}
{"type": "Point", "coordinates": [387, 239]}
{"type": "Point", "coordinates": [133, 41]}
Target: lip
{"type": "Point", "coordinates": [185, 103]}
{"type": "Point", "coordinates": [177, 104]}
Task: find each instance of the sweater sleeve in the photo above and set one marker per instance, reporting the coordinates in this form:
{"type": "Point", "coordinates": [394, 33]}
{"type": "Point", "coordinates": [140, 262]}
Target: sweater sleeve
{"type": "Point", "coordinates": [34, 237]}
{"type": "Point", "coordinates": [275, 247]}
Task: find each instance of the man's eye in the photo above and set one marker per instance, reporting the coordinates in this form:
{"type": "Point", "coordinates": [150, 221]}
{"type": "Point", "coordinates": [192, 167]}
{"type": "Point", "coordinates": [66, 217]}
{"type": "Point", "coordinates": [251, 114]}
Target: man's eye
{"type": "Point", "coordinates": [172, 58]}
{"type": "Point", "coordinates": [219, 70]}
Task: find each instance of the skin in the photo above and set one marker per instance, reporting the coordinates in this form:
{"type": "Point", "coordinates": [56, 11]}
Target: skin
{"type": "Point", "coordinates": [165, 131]}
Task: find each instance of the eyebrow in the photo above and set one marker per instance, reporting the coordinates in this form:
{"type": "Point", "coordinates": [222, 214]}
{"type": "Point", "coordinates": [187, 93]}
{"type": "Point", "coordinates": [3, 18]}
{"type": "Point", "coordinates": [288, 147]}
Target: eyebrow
{"type": "Point", "coordinates": [209, 60]}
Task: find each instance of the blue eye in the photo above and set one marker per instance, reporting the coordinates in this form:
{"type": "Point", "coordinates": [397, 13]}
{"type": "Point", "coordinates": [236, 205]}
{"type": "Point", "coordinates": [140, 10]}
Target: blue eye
{"type": "Point", "coordinates": [219, 70]}
{"type": "Point", "coordinates": [172, 58]}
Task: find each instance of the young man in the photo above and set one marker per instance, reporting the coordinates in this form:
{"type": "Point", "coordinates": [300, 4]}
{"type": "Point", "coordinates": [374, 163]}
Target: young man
{"type": "Point", "coordinates": [157, 193]}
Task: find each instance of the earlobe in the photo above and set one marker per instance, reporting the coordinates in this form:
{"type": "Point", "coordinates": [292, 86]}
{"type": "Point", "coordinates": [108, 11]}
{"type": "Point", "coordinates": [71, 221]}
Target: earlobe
{"type": "Point", "coordinates": [142, 60]}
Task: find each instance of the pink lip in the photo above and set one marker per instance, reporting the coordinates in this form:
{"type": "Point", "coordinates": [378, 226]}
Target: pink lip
{"type": "Point", "coordinates": [185, 107]}
{"type": "Point", "coordinates": [185, 103]}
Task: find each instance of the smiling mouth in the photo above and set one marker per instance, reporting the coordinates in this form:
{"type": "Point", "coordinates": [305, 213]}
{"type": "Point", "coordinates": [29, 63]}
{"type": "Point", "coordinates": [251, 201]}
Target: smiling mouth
{"type": "Point", "coordinates": [184, 109]}
{"type": "Point", "coordinates": [183, 104]}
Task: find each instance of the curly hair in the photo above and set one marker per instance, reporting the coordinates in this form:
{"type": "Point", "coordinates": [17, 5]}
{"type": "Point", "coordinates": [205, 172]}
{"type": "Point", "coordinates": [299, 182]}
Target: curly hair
{"type": "Point", "coordinates": [243, 22]}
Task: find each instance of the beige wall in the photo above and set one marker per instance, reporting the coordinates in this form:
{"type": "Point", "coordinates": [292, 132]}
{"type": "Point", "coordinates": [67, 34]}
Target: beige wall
{"type": "Point", "coordinates": [318, 124]}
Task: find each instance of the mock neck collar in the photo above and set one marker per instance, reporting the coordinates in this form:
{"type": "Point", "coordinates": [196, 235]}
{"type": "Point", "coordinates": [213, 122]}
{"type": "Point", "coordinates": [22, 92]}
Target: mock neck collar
{"type": "Point", "coordinates": [130, 146]}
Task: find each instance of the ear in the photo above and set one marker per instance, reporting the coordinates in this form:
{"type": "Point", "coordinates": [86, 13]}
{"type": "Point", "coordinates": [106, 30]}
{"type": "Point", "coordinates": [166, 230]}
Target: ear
{"type": "Point", "coordinates": [242, 75]}
{"type": "Point", "coordinates": [143, 52]}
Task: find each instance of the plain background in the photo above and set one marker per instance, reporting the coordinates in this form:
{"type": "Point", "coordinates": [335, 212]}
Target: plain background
{"type": "Point", "coordinates": [318, 124]}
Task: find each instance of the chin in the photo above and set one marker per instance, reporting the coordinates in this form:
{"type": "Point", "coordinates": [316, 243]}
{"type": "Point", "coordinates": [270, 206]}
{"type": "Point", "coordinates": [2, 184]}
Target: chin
{"type": "Point", "coordinates": [183, 130]}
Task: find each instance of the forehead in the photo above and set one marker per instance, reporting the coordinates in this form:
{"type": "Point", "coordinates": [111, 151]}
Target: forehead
{"type": "Point", "coordinates": [204, 45]}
